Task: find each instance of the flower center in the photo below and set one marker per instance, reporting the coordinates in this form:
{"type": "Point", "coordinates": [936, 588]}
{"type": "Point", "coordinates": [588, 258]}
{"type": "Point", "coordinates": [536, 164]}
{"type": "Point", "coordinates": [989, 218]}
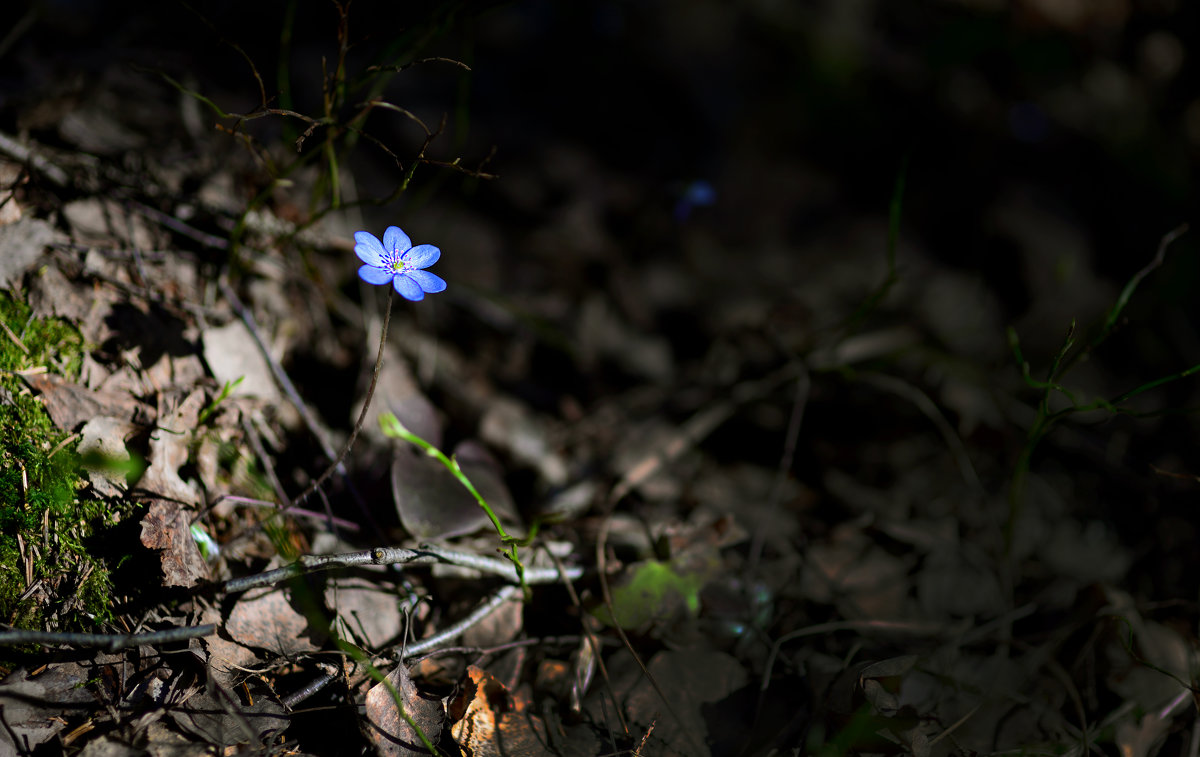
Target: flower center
{"type": "Point", "coordinates": [395, 263]}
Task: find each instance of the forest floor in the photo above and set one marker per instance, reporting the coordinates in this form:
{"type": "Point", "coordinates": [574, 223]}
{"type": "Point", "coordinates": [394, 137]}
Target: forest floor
{"type": "Point", "coordinates": [785, 458]}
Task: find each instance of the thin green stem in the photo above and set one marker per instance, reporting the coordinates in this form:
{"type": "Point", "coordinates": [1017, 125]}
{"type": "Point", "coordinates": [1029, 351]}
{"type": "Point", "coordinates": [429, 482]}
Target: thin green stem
{"type": "Point", "coordinates": [361, 657]}
{"type": "Point", "coordinates": [392, 427]}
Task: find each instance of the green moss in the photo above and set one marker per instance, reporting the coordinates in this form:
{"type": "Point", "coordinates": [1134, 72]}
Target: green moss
{"type": "Point", "coordinates": [43, 523]}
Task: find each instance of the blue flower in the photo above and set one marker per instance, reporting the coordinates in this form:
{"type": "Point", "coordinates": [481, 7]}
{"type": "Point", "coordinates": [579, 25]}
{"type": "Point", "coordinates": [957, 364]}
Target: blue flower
{"type": "Point", "coordinates": [395, 260]}
{"type": "Point", "coordinates": [697, 194]}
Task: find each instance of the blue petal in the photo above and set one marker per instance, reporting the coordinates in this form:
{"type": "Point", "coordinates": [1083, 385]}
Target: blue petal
{"type": "Point", "coordinates": [395, 240]}
{"type": "Point", "coordinates": [430, 282]}
{"type": "Point", "coordinates": [408, 288]}
{"type": "Point", "coordinates": [376, 275]}
{"type": "Point", "coordinates": [700, 192]}
{"type": "Point", "coordinates": [422, 256]}
{"type": "Point", "coordinates": [368, 249]}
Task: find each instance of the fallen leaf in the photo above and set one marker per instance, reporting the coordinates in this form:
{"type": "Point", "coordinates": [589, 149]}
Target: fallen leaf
{"type": "Point", "coordinates": [696, 681]}
{"type": "Point", "coordinates": [221, 716]}
{"type": "Point", "coordinates": [860, 576]}
{"type": "Point", "coordinates": [433, 504]}
{"type": "Point", "coordinates": [166, 526]}
{"type": "Point", "coordinates": [33, 705]}
{"type": "Point", "coordinates": [233, 356]}
{"type": "Point", "coordinates": [70, 405]}
{"type": "Point", "coordinates": [268, 619]}
{"type": "Point", "coordinates": [370, 613]}
{"type": "Point", "coordinates": [106, 461]}
{"type": "Point", "coordinates": [512, 428]}
{"type": "Point", "coordinates": [489, 721]}
{"type": "Point", "coordinates": [10, 178]}
{"type": "Point", "coordinates": [23, 243]}
{"type": "Point", "coordinates": [391, 733]}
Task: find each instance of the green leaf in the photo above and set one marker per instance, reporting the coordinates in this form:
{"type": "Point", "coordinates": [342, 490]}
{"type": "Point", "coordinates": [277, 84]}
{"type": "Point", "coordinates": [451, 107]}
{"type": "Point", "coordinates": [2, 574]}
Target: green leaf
{"type": "Point", "coordinates": [654, 592]}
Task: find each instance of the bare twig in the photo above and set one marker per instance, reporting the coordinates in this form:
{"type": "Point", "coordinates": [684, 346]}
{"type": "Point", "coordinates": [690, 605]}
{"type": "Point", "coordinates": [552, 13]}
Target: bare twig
{"type": "Point", "coordinates": [425, 555]}
{"type": "Point", "coordinates": [22, 154]}
{"type": "Point", "coordinates": [328, 675]}
{"type": "Point", "coordinates": [786, 459]}
{"type": "Point", "coordinates": [110, 642]}
{"type": "Point", "coordinates": [458, 629]}
{"type": "Point", "coordinates": [422, 647]}
{"type": "Point", "coordinates": [296, 511]}
{"type": "Point", "coordinates": [289, 388]}
{"type": "Point", "coordinates": [15, 339]}
{"type": "Point", "coordinates": [930, 410]}
{"type": "Point", "coordinates": [256, 445]}
{"type": "Point", "coordinates": [697, 428]}
{"type": "Point", "coordinates": [362, 416]}
{"type": "Point", "coordinates": [174, 224]}
{"type": "Point", "coordinates": [398, 69]}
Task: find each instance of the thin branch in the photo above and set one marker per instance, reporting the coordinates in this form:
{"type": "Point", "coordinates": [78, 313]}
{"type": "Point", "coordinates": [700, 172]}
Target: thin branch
{"type": "Point", "coordinates": [110, 642]}
{"type": "Point", "coordinates": [458, 629]}
{"type": "Point", "coordinates": [298, 512]}
{"type": "Point", "coordinates": [290, 389]}
{"type": "Point", "coordinates": [174, 224]}
{"type": "Point", "coordinates": [362, 415]}
{"type": "Point", "coordinates": [783, 470]}
{"type": "Point", "coordinates": [398, 69]}
{"type": "Point", "coordinates": [425, 555]}
{"type": "Point", "coordinates": [22, 154]}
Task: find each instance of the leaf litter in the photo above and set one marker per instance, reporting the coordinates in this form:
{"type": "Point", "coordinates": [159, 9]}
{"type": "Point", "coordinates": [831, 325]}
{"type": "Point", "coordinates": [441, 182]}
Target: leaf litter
{"type": "Point", "coordinates": [849, 591]}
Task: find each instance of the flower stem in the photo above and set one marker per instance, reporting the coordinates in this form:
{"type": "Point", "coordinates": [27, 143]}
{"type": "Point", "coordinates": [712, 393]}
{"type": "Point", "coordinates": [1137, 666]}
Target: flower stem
{"type": "Point", "coordinates": [362, 416]}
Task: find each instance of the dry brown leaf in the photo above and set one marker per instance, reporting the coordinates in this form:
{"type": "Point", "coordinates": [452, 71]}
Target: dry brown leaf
{"type": "Point", "coordinates": [233, 356]}
{"type": "Point", "coordinates": [267, 619]}
{"type": "Point", "coordinates": [165, 528]}
{"type": "Point", "coordinates": [512, 428]}
{"type": "Point", "coordinates": [33, 704]}
{"type": "Point", "coordinates": [697, 681]}
{"type": "Point", "coordinates": [864, 579]}
{"type": "Point", "coordinates": [224, 715]}
{"type": "Point", "coordinates": [489, 721]}
{"type": "Point", "coordinates": [501, 626]}
{"type": "Point", "coordinates": [10, 208]}
{"type": "Point", "coordinates": [105, 457]}
{"type": "Point", "coordinates": [388, 731]}
{"type": "Point", "coordinates": [370, 614]}
{"type": "Point", "coordinates": [71, 405]}
{"type": "Point", "coordinates": [166, 525]}
{"type": "Point", "coordinates": [23, 243]}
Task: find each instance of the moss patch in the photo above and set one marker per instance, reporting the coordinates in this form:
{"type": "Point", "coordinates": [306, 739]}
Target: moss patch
{"type": "Point", "coordinates": [47, 577]}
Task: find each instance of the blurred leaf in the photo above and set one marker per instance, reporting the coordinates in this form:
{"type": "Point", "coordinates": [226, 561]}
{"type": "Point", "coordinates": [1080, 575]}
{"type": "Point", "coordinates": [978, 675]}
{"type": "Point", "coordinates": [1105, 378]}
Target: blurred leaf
{"type": "Point", "coordinates": [655, 591]}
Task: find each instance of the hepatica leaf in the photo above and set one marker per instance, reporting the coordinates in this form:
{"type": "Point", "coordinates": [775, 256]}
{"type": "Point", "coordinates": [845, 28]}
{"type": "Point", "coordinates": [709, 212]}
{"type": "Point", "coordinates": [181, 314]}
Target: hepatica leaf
{"type": "Point", "coordinates": [432, 504]}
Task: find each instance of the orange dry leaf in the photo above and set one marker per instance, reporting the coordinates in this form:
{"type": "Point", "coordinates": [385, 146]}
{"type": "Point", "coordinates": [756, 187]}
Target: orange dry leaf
{"type": "Point", "coordinates": [489, 720]}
